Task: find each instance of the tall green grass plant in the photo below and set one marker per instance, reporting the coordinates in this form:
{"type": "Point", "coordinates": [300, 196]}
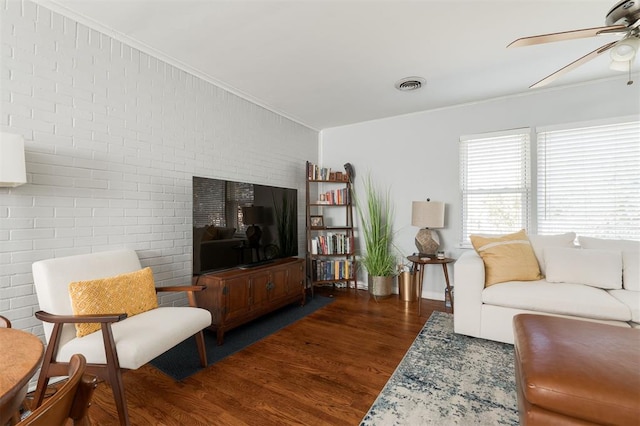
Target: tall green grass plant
{"type": "Point", "coordinates": [376, 217]}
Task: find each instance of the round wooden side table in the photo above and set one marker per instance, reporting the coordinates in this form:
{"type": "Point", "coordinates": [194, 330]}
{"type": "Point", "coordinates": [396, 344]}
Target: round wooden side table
{"type": "Point", "coordinates": [20, 356]}
{"type": "Point", "coordinates": [418, 264]}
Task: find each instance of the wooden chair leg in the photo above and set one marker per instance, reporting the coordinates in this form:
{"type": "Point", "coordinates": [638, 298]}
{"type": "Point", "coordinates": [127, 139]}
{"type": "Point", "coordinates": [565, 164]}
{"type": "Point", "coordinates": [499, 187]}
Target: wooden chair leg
{"type": "Point", "coordinates": [15, 418]}
{"type": "Point", "coordinates": [202, 351]}
{"type": "Point", "coordinates": [41, 387]}
{"type": "Point", "coordinates": [115, 374]}
{"type": "Point", "coordinates": [82, 400]}
{"type": "Point", "coordinates": [43, 378]}
{"type": "Point", "coordinates": [117, 387]}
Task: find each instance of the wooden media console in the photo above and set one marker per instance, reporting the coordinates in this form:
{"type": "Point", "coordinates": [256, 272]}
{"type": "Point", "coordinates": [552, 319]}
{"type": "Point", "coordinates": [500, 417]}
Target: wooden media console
{"type": "Point", "coordinates": [237, 296]}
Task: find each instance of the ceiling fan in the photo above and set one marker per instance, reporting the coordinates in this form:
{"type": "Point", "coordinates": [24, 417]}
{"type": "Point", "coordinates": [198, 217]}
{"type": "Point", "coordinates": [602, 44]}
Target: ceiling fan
{"type": "Point", "coordinates": [623, 18]}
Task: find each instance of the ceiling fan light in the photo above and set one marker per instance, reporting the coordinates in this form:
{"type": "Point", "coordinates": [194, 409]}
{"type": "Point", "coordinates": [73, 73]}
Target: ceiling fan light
{"type": "Point", "coordinates": [620, 66]}
{"type": "Point", "coordinates": [625, 50]}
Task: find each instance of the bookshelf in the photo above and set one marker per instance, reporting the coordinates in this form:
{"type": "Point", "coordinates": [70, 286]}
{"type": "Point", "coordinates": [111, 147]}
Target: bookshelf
{"type": "Point", "coordinates": [330, 247]}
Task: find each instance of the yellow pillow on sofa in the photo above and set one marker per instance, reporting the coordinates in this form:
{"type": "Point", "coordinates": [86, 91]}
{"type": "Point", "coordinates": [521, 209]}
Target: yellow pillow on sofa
{"type": "Point", "coordinates": [132, 293]}
{"type": "Point", "coordinates": [507, 258]}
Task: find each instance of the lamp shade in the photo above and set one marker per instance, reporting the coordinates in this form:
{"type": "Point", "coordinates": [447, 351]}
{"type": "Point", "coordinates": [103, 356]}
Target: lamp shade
{"type": "Point", "coordinates": [620, 65]}
{"type": "Point", "coordinates": [626, 49]}
{"type": "Point", "coordinates": [427, 214]}
{"type": "Point", "coordinates": [252, 215]}
{"type": "Point", "coordinates": [12, 165]}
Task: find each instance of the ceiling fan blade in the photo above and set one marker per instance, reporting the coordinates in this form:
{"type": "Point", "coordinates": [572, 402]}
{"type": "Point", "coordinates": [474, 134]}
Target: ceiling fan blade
{"type": "Point", "coordinates": [573, 65]}
{"type": "Point", "coordinates": [567, 35]}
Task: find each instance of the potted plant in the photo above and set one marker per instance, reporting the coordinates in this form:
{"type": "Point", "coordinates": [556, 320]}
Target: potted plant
{"type": "Point", "coordinates": [376, 217]}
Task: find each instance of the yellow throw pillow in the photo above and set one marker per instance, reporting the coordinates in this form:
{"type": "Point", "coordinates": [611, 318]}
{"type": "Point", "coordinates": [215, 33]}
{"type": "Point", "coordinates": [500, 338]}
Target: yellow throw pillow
{"type": "Point", "coordinates": [132, 293]}
{"type": "Point", "coordinates": [507, 258]}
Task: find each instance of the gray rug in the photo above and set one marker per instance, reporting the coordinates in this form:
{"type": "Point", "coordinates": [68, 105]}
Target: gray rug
{"type": "Point", "coordinates": [448, 379]}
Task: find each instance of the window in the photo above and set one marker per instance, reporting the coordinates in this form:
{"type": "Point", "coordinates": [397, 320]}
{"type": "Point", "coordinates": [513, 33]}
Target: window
{"type": "Point", "coordinates": [495, 179]}
{"type": "Point", "coordinates": [586, 180]}
{"type": "Point", "coordinates": [589, 180]}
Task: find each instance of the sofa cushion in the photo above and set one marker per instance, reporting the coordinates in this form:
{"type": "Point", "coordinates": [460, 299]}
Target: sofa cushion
{"type": "Point", "coordinates": [199, 235]}
{"type": "Point", "coordinates": [540, 242]}
{"type": "Point", "coordinates": [210, 233]}
{"type": "Point", "coordinates": [630, 258]}
{"type": "Point", "coordinates": [507, 257]}
{"type": "Point", "coordinates": [226, 233]}
{"type": "Point", "coordinates": [213, 233]}
{"type": "Point", "coordinates": [140, 338]}
{"type": "Point", "coordinates": [131, 293]}
{"type": "Point", "coordinates": [557, 298]}
{"type": "Point", "coordinates": [631, 299]}
{"type": "Point", "coordinates": [597, 268]}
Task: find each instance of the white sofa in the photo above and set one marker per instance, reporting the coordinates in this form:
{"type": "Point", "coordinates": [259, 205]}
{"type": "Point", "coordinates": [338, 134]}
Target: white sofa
{"type": "Point", "coordinates": [598, 281]}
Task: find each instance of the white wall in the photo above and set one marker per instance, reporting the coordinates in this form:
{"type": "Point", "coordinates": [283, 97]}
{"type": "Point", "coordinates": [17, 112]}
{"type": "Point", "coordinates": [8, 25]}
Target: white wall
{"type": "Point", "coordinates": [416, 155]}
{"type": "Point", "coordinates": [113, 138]}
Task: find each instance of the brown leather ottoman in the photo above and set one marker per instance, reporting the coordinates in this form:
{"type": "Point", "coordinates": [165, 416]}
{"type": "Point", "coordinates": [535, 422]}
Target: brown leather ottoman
{"type": "Point", "coordinates": [573, 372]}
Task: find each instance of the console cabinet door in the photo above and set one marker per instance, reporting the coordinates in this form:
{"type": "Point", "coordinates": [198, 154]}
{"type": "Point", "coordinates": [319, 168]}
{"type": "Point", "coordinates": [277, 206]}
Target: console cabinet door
{"type": "Point", "coordinates": [279, 284]}
{"type": "Point", "coordinates": [296, 278]}
{"type": "Point", "coordinates": [260, 284]}
{"type": "Point", "coordinates": [236, 296]}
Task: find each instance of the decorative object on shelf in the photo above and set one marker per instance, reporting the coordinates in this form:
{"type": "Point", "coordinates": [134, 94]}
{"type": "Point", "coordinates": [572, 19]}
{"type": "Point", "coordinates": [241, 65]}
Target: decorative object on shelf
{"type": "Point", "coordinates": [316, 221]}
{"type": "Point", "coordinates": [252, 216]}
{"type": "Point", "coordinates": [376, 217]}
{"type": "Point", "coordinates": [427, 215]}
{"type": "Point", "coordinates": [351, 172]}
{"type": "Point", "coordinates": [12, 164]}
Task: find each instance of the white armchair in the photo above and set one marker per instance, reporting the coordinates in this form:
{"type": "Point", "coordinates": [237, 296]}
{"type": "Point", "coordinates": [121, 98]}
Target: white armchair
{"type": "Point", "coordinates": [122, 342]}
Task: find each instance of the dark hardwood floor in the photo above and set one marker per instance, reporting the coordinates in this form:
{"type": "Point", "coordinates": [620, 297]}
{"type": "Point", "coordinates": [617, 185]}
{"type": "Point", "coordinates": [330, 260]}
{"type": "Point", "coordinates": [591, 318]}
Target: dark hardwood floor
{"type": "Point", "coordinates": [326, 369]}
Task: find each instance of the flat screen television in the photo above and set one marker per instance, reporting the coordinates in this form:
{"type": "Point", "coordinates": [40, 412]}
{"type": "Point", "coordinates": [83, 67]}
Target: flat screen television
{"type": "Point", "coordinates": [239, 224]}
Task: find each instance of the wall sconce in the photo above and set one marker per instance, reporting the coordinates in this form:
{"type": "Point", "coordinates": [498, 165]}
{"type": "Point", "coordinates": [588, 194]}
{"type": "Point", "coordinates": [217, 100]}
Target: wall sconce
{"type": "Point", "coordinates": [12, 165]}
{"type": "Point", "coordinates": [427, 215]}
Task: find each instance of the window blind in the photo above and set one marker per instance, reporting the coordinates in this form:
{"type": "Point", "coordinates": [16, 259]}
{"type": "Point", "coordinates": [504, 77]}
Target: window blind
{"type": "Point", "coordinates": [238, 195]}
{"type": "Point", "coordinates": [208, 202]}
{"type": "Point", "coordinates": [589, 180]}
{"type": "Point", "coordinates": [495, 179]}
{"type": "Point", "coordinates": [218, 202]}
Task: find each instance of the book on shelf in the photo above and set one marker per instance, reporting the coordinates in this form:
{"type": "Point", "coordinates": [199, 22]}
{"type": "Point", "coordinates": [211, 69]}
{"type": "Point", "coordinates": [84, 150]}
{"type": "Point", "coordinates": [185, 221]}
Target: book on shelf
{"type": "Point", "coordinates": [335, 197]}
{"type": "Point", "coordinates": [315, 172]}
{"type": "Point", "coordinates": [332, 243]}
{"type": "Point", "coordinates": [332, 270]}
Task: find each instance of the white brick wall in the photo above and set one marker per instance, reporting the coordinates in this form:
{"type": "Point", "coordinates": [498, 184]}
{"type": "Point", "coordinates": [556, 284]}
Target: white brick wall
{"type": "Point", "coordinates": [113, 137]}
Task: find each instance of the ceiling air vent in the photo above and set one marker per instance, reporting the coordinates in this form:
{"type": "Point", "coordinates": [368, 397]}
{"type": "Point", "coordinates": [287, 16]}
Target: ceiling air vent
{"type": "Point", "coordinates": [410, 83]}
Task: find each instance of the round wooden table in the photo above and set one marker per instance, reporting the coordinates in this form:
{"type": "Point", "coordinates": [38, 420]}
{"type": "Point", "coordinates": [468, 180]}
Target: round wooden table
{"type": "Point", "coordinates": [20, 356]}
{"type": "Point", "coordinates": [419, 262]}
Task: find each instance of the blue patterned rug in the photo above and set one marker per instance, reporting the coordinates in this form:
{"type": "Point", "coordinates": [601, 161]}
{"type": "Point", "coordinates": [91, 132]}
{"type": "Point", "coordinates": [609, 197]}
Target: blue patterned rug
{"type": "Point", "coordinates": [449, 379]}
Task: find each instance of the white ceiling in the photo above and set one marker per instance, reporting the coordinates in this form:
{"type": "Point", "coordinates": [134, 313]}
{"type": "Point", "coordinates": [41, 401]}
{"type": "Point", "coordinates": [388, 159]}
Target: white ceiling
{"type": "Point", "coordinates": [328, 63]}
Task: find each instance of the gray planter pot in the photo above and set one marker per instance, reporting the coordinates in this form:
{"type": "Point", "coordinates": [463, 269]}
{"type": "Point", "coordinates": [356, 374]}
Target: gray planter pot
{"type": "Point", "coordinates": [380, 287]}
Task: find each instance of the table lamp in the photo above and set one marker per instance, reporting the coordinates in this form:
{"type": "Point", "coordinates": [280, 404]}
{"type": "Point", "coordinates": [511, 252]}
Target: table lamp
{"type": "Point", "coordinates": [251, 216]}
{"type": "Point", "coordinates": [427, 215]}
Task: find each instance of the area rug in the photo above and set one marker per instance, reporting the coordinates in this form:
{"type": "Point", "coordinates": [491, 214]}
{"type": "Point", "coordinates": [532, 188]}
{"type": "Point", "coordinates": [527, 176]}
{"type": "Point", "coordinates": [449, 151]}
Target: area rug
{"type": "Point", "coordinates": [447, 379]}
{"type": "Point", "coordinates": [182, 361]}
